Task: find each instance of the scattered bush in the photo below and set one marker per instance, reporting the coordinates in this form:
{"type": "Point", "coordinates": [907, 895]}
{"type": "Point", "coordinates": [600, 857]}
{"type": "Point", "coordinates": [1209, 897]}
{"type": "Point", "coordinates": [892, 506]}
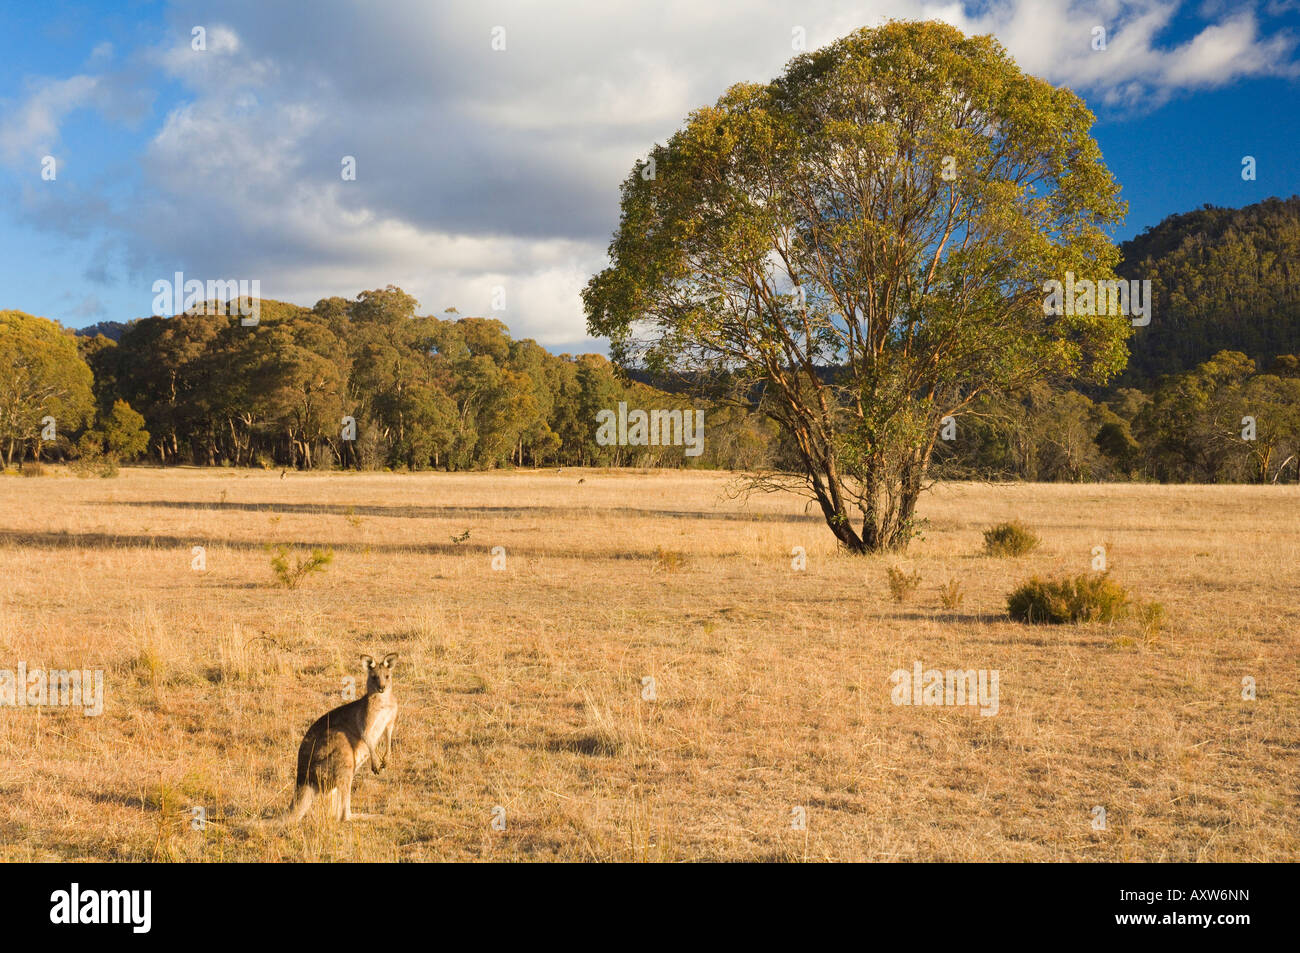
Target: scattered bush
{"type": "Point", "coordinates": [951, 595]}
{"type": "Point", "coordinates": [291, 575]}
{"type": "Point", "coordinates": [1009, 539]}
{"type": "Point", "coordinates": [901, 584]}
{"type": "Point", "coordinates": [1085, 598]}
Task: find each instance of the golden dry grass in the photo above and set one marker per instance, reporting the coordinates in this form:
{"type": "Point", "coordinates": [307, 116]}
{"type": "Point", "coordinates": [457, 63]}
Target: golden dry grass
{"type": "Point", "coordinates": [523, 688]}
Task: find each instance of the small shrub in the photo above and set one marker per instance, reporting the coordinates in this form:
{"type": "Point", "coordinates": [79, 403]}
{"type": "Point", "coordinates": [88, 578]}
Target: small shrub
{"type": "Point", "coordinates": [1151, 618]}
{"type": "Point", "coordinates": [951, 595]}
{"type": "Point", "coordinates": [1085, 598]}
{"type": "Point", "coordinates": [33, 469]}
{"type": "Point", "coordinates": [291, 575]}
{"type": "Point", "coordinates": [901, 584]}
{"type": "Point", "coordinates": [91, 462]}
{"type": "Point", "coordinates": [1009, 539]}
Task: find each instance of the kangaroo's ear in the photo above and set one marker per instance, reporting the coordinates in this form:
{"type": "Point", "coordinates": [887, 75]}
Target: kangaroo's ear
{"type": "Point", "coordinates": [388, 659]}
{"type": "Point", "coordinates": [370, 662]}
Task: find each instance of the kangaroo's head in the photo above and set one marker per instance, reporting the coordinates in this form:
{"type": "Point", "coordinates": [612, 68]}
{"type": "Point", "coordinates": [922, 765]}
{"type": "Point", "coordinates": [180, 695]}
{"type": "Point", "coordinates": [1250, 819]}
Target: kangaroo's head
{"type": "Point", "coordinates": [379, 675]}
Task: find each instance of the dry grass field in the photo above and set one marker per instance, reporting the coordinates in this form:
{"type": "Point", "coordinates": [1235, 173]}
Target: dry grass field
{"type": "Point", "coordinates": [523, 688]}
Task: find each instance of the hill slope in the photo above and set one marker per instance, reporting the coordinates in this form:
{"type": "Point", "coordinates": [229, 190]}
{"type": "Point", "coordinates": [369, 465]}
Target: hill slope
{"type": "Point", "coordinates": [1223, 279]}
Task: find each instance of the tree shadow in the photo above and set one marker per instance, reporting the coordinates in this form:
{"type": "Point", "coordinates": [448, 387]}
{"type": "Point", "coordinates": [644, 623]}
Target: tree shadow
{"type": "Point", "coordinates": [449, 510]}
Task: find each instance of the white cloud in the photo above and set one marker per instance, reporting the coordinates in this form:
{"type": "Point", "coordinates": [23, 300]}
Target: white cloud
{"type": "Point", "coordinates": [31, 129]}
{"type": "Point", "coordinates": [476, 167]}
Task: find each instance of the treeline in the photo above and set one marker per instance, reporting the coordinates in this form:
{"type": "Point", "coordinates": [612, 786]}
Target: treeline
{"type": "Point", "coordinates": [421, 392]}
{"type": "Point", "coordinates": [1222, 422]}
{"type": "Point", "coordinates": [460, 394]}
{"type": "Point", "coordinates": [1212, 392]}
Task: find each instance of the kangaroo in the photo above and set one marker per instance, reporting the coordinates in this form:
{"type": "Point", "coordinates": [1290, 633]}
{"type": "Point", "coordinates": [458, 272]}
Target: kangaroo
{"type": "Point", "coordinates": [341, 741]}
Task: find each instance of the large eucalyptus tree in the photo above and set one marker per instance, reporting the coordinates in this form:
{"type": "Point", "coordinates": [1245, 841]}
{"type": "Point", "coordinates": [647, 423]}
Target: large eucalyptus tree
{"type": "Point", "coordinates": [863, 243]}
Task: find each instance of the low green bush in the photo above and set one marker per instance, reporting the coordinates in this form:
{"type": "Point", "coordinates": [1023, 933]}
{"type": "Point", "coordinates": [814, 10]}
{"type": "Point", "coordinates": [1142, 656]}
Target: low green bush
{"type": "Point", "coordinates": [1009, 539]}
{"type": "Point", "coordinates": [1091, 597]}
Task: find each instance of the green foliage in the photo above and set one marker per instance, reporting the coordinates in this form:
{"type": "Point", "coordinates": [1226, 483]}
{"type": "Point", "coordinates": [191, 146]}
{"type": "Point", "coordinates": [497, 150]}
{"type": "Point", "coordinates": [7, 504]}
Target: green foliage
{"type": "Point", "coordinates": [1192, 429]}
{"type": "Point", "coordinates": [291, 574]}
{"type": "Point", "coordinates": [1188, 429]}
{"type": "Point", "coordinates": [1009, 539]}
{"type": "Point", "coordinates": [1092, 597]}
{"type": "Point", "coordinates": [42, 374]}
{"type": "Point", "coordinates": [118, 435]}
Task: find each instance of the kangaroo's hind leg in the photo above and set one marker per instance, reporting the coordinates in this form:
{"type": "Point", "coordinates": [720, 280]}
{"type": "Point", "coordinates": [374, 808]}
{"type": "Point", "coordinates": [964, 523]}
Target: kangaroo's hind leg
{"type": "Point", "coordinates": [346, 788]}
{"type": "Point", "coordinates": [302, 797]}
{"type": "Point", "coordinates": [345, 794]}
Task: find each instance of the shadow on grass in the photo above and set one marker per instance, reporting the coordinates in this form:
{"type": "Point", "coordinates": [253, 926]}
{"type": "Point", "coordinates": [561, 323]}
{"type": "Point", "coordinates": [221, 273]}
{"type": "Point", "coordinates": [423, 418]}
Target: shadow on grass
{"type": "Point", "coordinates": [591, 743]}
{"type": "Point", "coordinates": [108, 541]}
{"type": "Point", "coordinates": [435, 512]}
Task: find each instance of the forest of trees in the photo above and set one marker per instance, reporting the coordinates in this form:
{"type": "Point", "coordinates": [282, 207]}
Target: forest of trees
{"type": "Point", "coordinates": [1212, 392]}
{"type": "Point", "coordinates": [424, 393]}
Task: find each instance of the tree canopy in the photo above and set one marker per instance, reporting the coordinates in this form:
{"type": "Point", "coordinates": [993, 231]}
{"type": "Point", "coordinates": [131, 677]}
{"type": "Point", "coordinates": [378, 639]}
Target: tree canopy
{"type": "Point", "coordinates": [43, 378]}
{"type": "Point", "coordinates": [863, 242]}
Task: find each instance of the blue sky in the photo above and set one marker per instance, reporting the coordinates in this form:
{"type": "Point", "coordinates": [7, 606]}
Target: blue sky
{"type": "Point", "coordinates": [480, 169]}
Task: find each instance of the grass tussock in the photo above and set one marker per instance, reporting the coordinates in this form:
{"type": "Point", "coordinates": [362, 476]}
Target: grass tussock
{"type": "Point", "coordinates": [951, 594]}
{"type": "Point", "coordinates": [902, 585]}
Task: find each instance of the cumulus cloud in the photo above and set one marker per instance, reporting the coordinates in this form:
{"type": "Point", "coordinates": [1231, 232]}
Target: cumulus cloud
{"type": "Point", "coordinates": [479, 168]}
